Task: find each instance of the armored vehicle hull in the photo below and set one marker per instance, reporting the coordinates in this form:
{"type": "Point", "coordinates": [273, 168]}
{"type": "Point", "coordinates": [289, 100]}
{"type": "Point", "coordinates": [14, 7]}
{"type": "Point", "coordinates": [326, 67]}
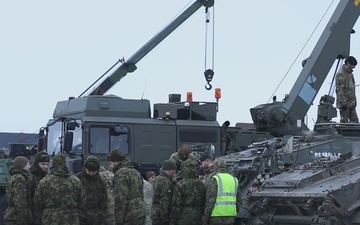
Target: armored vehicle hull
{"type": "Point", "coordinates": [325, 191]}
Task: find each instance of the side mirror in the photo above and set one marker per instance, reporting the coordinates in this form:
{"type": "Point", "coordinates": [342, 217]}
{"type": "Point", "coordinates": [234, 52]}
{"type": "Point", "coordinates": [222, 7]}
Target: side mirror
{"type": "Point", "coordinates": [68, 141]}
{"type": "Point", "coordinates": [71, 125]}
{"type": "Point", "coordinates": [288, 144]}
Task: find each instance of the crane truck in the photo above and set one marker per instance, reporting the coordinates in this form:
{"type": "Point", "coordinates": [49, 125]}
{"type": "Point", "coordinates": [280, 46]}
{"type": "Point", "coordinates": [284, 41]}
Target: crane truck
{"type": "Point", "coordinates": [96, 123]}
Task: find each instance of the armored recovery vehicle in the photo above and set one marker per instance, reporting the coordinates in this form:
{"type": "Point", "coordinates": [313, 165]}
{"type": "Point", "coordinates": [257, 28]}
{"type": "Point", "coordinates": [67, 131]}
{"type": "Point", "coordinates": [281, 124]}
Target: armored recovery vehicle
{"type": "Point", "coordinates": [303, 176]}
{"type": "Point", "coordinates": [96, 123]}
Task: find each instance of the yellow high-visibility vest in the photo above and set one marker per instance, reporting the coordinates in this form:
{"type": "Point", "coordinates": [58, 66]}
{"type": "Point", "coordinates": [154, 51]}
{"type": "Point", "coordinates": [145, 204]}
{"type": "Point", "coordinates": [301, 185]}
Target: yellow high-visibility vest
{"type": "Point", "coordinates": [225, 204]}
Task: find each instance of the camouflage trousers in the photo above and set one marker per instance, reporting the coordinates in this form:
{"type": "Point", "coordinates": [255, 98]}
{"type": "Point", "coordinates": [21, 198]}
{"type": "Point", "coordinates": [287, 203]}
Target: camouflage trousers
{"type": "Point", "coordinates": [348, 115]}
{"type": "Point", "coordinates": [137, 221]}
{"type": "Point", "coordinates": [225, 220]}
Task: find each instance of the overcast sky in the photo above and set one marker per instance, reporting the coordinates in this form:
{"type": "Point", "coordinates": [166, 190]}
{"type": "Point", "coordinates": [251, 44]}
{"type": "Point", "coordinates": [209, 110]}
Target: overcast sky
{"type": "Point", "coordinates": [50, 50]}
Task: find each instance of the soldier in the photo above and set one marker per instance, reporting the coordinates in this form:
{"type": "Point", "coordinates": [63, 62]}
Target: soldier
{"type": "Point", "coordinates": [148, 197]}
{"type": "Point", "coordinates": [188, 200]}
{"type": "Point", "coordinates": [150, 176]}
{"type": "Point", "coordinates": [59, 196]}
{"type": "Point", "coordinates": [18, 194]}
{"type": "Point", "coordinates": [130, 207]}
{"type": "Point", "coordinates": [108, 178]}
{"type": "Point", "coordinates": [95, 192]}
{"type": "Point", "coordinates": [345, 91]}
{"type": "Point", "coordinates": [163, 189]}
{"type": "Point", "coordinates": [38, 171]}
{"type": "Point", "coordinates": [223, 199]}
{"type": "Point", "coordinates": [183, 154]}
{"type": "Point", "coordinates": [207, 164]}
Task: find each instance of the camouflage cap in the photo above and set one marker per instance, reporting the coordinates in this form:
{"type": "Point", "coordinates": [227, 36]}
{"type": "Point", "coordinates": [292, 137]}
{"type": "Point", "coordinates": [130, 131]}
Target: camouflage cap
{"type": "Point", "coordinates": [116, 155]}
{"type": "Point", "coordinates": [41, 157]}
{"type": "Point", "coordinates": [58, 159]}
{"type": "Point", "coordinates": [219, 164]}
{"type": "Point", "coordinates": [184, 152]}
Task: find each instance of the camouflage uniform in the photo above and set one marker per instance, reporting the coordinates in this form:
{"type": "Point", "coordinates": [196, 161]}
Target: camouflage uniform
{"type": "Point", "coordinates": [37, 174]}
{"type": "Point", "coordinates": [96, 196]}
{"type": "Point", "coordinates": [130, 207]}
{"type": "Point", "coordinates": [18, 195]}
{"type": "Point", "coordinates": [188, 200]}
{"type": "Point", "coordinates": [59, 196]}
{"type": "Point", "coordinates": [209, 173]}
{"type": "Point", "coordinates": [163, 189]}
{"type": "Point", "coordinates": [148, 197]}
{"type": "Point", "coordinates": [211, 194]}
{"type": "Point", "coordinates": [108, 178]}
{"type": "Point", "coordinates": [345, 96]}
{"type": "Point", "coordinates": [183, 154]}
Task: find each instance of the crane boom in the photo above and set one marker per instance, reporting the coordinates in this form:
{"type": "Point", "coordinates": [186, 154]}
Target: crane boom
{"type": "Point", "coordinates": [130, 65]}
{"type": "Point", "coordinates": [282, 117]}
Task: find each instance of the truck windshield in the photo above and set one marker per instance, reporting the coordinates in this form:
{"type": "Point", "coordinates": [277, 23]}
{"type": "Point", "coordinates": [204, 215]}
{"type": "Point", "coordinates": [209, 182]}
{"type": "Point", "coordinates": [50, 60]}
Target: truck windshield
{"type": "Point", "coordinates": [54, 138]}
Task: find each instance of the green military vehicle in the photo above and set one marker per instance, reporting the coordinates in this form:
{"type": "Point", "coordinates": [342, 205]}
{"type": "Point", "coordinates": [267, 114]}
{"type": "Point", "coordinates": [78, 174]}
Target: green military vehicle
{"type": "Point", "coordinates": [4, 171]}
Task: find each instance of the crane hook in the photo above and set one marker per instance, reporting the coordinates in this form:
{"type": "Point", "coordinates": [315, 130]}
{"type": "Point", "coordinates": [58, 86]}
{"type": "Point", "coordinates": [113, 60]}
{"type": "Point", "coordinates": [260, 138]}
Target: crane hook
{"type": "Point", "coordinates": [209, 74]}
{"type": "Point", "coordinates": [208, 86]}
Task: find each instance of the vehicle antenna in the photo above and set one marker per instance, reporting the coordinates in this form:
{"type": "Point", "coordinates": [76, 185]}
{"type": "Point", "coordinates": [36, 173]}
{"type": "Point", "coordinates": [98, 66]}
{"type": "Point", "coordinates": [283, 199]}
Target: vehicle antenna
{"type": "Point", "coordinates": [142, 96]}
{"type": "Point", "coordinates": [209, 73]}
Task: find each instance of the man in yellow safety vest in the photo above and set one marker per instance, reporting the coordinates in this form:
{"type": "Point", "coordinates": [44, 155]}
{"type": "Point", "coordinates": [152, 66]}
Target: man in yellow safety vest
{"type": "Point", "coordinates": [223, 198]}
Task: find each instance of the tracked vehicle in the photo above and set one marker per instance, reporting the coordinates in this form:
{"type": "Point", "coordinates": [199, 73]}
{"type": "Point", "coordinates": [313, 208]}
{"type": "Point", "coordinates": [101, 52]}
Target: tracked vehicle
{"type": "Point", "coordinates": [302, 176]}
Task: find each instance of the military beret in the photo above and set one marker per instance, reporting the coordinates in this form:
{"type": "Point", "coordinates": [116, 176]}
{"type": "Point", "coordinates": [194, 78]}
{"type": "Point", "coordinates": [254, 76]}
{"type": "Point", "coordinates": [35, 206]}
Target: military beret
{"type": "Point", "coordinates": [205, 157]}
{"type": "Point", "coordinates": [116, 155]}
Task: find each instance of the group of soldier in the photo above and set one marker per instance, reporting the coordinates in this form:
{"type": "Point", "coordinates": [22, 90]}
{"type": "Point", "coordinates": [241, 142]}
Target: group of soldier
{"type": "Point", "coordinates": [181, 198]}
{"type": "Point", "coordinates": [96, 196]}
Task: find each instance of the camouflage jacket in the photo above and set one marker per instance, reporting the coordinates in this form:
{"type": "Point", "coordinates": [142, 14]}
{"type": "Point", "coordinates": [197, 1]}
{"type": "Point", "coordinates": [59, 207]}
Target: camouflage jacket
{"type": "Point", "coordinates": [36, 175]}
{"type": "Point", "coordinates": [108, 178]}
{"type": "Point", "coordinates": [211, 194]}
{"type": "Point", "coordinates": [188, 200]}
{"type": "Point", "coordinates": [345, 89]}
{"type": "Point", "coordinates": [209, 173]}
{"type": "Point", "coordinates": [60, 197]}
{"type": "Point", "coordinates": [178, 161]}
{"type": "Point", "coordinates": [96, 199]}
{"type": "Point", "coordinates": [148, 197]}
{"type": "Point", "coordinates": [18, 195]}
{"type": "Point", "coordinates": [128, 193]}
{"type": "Point", "coordinates": [163, 189]}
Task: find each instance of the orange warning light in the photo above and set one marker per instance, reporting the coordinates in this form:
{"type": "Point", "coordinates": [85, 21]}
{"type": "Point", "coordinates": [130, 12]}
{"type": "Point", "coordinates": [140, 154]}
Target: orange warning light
{"type": "Point", "coordinates": [217, 93]}
{"type": "Point", "coordinates": [189, 96]}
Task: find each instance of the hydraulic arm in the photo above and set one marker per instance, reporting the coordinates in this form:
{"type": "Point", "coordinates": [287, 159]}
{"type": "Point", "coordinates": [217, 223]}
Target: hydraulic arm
{"type": "Point", "coordinates": [288, 116]}
{"type": "Point", "coordinates": [129, 65]}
